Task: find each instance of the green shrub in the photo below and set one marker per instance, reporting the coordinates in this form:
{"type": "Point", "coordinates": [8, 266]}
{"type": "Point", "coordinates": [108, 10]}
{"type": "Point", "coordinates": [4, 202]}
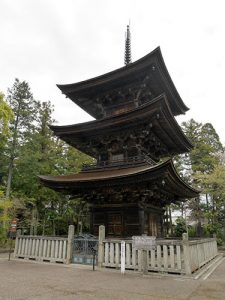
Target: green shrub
{"type": "Point", "coordinates": [180, 227]}
{"type": "Point", "coordinates": [192, 231]}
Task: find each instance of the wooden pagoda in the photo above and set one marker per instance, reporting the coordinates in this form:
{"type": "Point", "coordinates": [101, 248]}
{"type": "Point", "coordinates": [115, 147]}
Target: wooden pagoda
{"type": "Point", "coordinates": [133, 140]}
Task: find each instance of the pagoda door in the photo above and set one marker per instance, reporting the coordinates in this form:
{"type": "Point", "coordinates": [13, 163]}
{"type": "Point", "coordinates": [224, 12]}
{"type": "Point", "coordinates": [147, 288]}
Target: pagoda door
{"type": "Point", "coordinates": [153, 224]}
{"type": "Point", "coordinates": [115, 221]}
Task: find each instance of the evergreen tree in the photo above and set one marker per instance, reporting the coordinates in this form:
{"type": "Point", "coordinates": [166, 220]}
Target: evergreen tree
{"type": "Point", "coordinates": [44, 210]}
{"type": "Point", "coordinates": [206, 145]}
{"type": "Point", "coordinates": [24, 107]}
{"type": "Point", "coordinates": [200, 162]}
{"type": "Point", "coordinates": [215, 189]}
{"type": "Point", "coordinates": [6, 116]}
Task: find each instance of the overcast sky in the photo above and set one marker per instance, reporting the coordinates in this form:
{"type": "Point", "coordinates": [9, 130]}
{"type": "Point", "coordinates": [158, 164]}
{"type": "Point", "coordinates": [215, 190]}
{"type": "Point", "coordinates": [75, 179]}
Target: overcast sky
{"type": "Point", "coordinates": [63, 41]}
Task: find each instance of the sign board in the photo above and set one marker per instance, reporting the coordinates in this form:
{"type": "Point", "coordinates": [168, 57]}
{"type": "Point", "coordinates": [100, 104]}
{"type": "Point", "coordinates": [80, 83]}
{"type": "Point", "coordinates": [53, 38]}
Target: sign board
{"type": "Point", "coordinates": [13, 225]}
{"type": "Point", "coordinates": [144, 242]}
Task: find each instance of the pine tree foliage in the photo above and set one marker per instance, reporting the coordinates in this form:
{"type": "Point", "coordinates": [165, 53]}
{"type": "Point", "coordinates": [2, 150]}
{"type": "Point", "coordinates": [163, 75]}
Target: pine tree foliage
{"type": "Point", "coordinates": [6, 116]}
{"type": "Point", "coordinates": [24, 108]}
{"type": "Point", "coordinates": [30, 151]}
{"type": "Point", "coordinates": [199, 166]}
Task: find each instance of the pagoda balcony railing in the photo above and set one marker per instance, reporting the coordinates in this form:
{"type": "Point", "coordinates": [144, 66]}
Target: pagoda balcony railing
{"type": "Point", "coordinates": [133, 160]}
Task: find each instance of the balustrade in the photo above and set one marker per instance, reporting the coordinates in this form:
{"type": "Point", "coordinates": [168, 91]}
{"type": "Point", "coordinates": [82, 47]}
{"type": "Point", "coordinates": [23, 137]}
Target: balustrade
{"type": "Point", "coordinates": [171, 256]}
{"type": "Point", "coordinates": [126, 161]}
{"type": "Point", "coordinates": [41, 248]}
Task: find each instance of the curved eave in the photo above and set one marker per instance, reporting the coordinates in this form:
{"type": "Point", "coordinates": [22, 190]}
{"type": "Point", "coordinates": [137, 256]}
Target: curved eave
{"type": "Point", "coordinates": [81, 91]}
{"type": "Point", "coordinates": [166, 127]}
{"type": "Point", "coordinates": [114, 177]}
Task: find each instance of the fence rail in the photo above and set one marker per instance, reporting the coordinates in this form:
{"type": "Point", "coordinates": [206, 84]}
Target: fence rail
{"type": "Point", "coordinates": [172, 256]}
{"type": "Point", "coordinates": [201, 252]}
{"type": "Point", "coordinates": [45, 248]}
{"type": "Point", "coordinates": [41, 248]}
{"type": "Point", "coordinates": [167, 258]}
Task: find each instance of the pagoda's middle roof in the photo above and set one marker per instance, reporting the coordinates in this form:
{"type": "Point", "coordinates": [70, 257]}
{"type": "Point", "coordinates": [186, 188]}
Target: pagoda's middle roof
{"type": "Point", "coordinates": [153, 118]}
{"type": "Point", "coordinates": [147, 77]}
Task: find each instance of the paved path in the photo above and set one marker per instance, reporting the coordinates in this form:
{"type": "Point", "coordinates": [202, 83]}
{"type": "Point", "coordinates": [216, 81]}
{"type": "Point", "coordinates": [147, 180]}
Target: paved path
{"type": "Point", "coordinates": [26, 280]}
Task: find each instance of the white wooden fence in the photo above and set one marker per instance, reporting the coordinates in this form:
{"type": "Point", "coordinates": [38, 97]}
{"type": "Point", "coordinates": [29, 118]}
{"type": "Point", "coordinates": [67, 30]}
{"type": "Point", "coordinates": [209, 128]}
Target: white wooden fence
{"type": "Point", "coordinates": [167, 257]}
{"type": "Point", "coordinates": [171, 256]}
{"type": "Point", "coordinates": [201, 251]}
{"type": "Point", "coordinates": [51, 249]}
{"type": "Point", "coordinates": [42, 248]}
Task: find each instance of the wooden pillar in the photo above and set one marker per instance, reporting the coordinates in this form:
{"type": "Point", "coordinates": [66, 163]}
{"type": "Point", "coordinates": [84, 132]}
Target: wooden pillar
{"type": "Point", "coordinates": [141, 215]}
{"type": "Point", "coordinates": [91, 219]}
{"type": "Point", "coordinates": [186, 249]}
{"type": "Point", "coordinates": [161, 225]}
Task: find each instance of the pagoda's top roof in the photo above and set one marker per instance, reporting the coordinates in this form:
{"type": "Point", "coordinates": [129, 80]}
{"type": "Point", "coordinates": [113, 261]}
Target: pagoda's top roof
{"type": "Point", "coordinates": [143, 79]}
{"type": "Point", "coordinates": [84, 181]}
{"type": "Point", "coordinates": [150, 120]}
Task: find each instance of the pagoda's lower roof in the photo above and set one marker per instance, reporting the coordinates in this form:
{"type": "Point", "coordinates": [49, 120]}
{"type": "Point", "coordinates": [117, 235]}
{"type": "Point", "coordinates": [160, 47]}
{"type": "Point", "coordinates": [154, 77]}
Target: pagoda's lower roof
{"type": "Point", "coordinates": [151, 125]}
{"type": "Point", "coordinates": [134, 176]}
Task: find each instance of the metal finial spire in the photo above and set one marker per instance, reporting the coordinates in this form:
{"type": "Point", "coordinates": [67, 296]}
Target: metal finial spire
{"type": "Point", "coordinates": [127, 56]}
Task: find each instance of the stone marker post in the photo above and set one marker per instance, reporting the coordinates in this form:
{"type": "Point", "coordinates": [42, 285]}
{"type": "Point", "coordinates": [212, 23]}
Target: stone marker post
{"type": "Point", "coordinates": [145, 262]}
{"type": "Point", "coordinates": [70, 244]}
{"type": "Point", "coordinates": [101, 237]}
{"type": "Point", "coordinates": [187, 261]}
{"type": "Point", "coordinates": [122, 259]}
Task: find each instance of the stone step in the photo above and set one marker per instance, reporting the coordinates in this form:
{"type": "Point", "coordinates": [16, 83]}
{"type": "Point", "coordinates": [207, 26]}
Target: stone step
{"type": "Point", "coordinates": [207, 269]}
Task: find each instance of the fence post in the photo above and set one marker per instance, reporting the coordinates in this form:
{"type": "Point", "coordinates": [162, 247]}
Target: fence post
{"type": "Point", "coordinates": [186, 249]}
{"type": "Point", "coordinates": [101, 237]}
{"type": "Point", "coordinates": [70, 244]}
{"type": "Point", "coordinates": [215, 244]}
{"type": "Point", "coordinates": [145, 262]}
{"type": "Point", "coordinates": [18, 232]}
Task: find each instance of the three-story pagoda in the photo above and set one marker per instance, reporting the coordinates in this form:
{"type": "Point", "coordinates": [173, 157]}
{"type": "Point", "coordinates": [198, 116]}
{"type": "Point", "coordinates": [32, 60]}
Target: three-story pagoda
{"type": "Point", "coordinates": [133, 140]}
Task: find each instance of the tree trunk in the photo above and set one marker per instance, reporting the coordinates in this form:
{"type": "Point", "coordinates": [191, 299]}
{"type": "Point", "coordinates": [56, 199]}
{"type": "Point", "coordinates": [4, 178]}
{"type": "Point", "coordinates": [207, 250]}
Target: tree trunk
{"type": "Point", "coordinates": [9, 179]}
{"type": "Point", "coordinates": [171, 222]}
{"type": "Point", "coordinates": [213, 211]}
{"type": "Point", "coordinates": [207, 205]}
{"type": "Point", "coordinates": [199, 229]}
{"type": "Point", "coordinates": [198, 214]}
{"type": "Point", "coordinates": [43, 227]}
{"type": "Point", "coordinates": [12, 155]}
{"type": "Point", "coordinates": [182, 209]}
{"type": "Point", "coordinates": [53, 227]}
{"type": "Point", "coordinates": [36, 220]}
{"type": "Point", "coordinates": [32, 222]}
{"type": "Point", "coordinates": [53, 221]}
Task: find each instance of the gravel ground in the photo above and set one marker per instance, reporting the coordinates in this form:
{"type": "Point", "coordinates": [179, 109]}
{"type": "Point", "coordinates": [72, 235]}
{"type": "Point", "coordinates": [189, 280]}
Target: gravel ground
{"type": "Point", "coordinates": [27, 280]}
